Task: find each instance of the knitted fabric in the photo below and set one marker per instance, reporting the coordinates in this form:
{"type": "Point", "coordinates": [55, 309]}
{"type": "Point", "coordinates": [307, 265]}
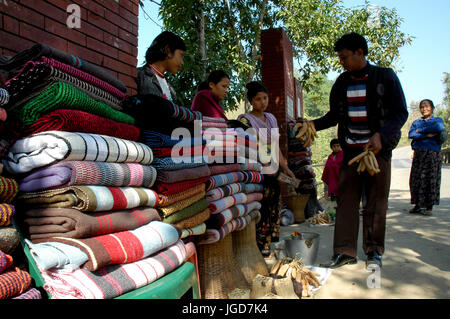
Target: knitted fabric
{"type": "Point", "coordinates": [63, 95]}
{"type": "Point", "coordinates": [46, 148]}
{"type": "Point", "coordinates": [124, 247]}
{"type": "Point", "coordinates": [171, 189]}
{"type": "Point", "coordinates": [6, 214]}
{"type": "Point", "coordinates": [4, 97]}
{"type": "Point", "coordinates": [175, 207]}
{"type": "Point", "coordinates": [68, 222]}
{"type": "Point", "coordinates": [8, 189]}
{"type": "Point", "coordinates": [13, 283]}
{"type": "Point", "coordinates": [164, 200]}
{"type": "Point", "coordinates": [5, 261]}
{"type": "Point", "coordinates": [32, 293]}
{"type": "Point", "coordinates": [115, 280]}
{"type": "Point", "coordinates": [68, 173]}
{"type": "Point", "coordinates": [91, 198]}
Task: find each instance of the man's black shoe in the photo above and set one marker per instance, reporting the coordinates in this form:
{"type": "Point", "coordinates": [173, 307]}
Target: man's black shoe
{"type": "Point", "coordinates": [340, 260]}
{"type": "Point", "coordinates": [373, 259]}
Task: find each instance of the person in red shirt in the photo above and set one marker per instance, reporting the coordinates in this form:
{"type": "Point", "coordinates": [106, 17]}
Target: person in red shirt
{"type": "Point", "coordinates": [330, 175]}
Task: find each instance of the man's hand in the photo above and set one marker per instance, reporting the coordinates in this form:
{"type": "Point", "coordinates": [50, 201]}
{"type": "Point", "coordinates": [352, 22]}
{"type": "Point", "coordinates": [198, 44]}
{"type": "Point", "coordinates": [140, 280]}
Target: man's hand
{"type": "Point", "coordinates": [374, 144]}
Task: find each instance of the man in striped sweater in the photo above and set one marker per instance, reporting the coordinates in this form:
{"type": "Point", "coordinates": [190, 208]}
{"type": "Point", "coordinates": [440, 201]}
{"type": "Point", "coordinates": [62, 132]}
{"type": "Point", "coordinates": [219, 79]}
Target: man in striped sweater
{"type": "Point", "coordinates": [368, 105]}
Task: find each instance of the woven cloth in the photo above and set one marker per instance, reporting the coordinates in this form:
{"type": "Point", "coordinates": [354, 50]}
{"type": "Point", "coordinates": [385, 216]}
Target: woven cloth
{"type": "Point", "coordinates": [91, 198]}
{"type": "Point", "coordinates": [47, 148]}
{"type": "Point", "coordinates": [156, 139]}
{"type": "Point", "coordinates": [171, 164]}
{"type": "Point", "coordinates": [69, 173]}
{"type": "Point", "coordinates": [187, 212]}
{"type": "Point", "coordinates": [5, 261]}
{"type": "Point", "coordinates": [9, 239]}
{"type": "Point", "coordinates": [224, 191]}
{"type": "Point", "coordinates": [164, 200]}
{"type": "Point", "coordinates": [234, 177]}
{"type": "Point", "coordinates": [251, 166]}
{"type": "Point", "coordinates": [171, 189]}
{"type": "Point", "coordinates": [221, 204]}
{"type": "Point", "coordinates": [69, 222]}
{"type": "Point", "coordinates": [179, 205]}
{"type": "Point", "coordinates": [80, 121]}
{"type": "Point", "coordinates": [218, 220]}
{"type": "Point", "coordinates": [194, 231]}
{"type": "Point", "coordinates": [114, 280]}
{"type": "Point", "coordinates": [126, 246]}
{"type": "Point", "coordinates": [63, 95]}
{"type": "Point", "coordinates": [32, 293]}
{"type": "Point", "coordinates": [7, 212]}
{"type": "Point", "coordinates": [4, 96]}
{"type": "Point", "coordinates": [217, 169]}
{"type": "Point", "coordinates": [14, 282]}
{"type": "Point", "coordinates": [36, 77]}
{"type": "Point", "coordinates": [194, 220]}
{"type": "Point", "coordinates": [184, 174]}
{"type": "Point", "coordinates": [8, 189]}
{"type": "Point", "coordinates": [214, 235]}
{"type": "Point", "coordinates": [253, 188]}
{"type": "Point", "coordinates": [179, 151]}
{"type": "Point", "coordinates": [14, 64]}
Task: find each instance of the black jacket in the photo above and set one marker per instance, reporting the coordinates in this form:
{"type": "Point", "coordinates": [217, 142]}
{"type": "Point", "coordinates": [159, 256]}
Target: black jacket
{"type": "Point", "coordinates": [385, 103]}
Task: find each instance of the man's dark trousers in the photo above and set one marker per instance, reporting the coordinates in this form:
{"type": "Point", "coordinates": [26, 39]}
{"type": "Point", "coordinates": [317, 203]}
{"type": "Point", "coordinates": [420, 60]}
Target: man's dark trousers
{"type": "Point", "coordinates": [374, 216]}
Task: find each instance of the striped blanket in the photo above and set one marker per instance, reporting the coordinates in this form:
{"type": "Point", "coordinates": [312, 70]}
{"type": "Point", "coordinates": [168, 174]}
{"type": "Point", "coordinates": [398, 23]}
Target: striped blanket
{"type": "Point", "coordinates": [224, 191]}
{"type": "Point", "coordinates": [8, 189]}
{"type": "Point", "coordinates": [91, 198]}
{"type": "Point", "coordinates": [68, 173]}
{"type": "Point", "coordinates": [156, 139]}
{"type": "Point", "coordinates": [187, 212]}
{"type": "Point", "coordinates": [239, 198]}
{"type": "Point", "coordinates": [214, 235]}
{"type": "Point", "coordinates": [68, 222]}
{"type": "Point", "coordinates": [14, 282]}
{"type": "Point", "coordinates": [164, 200]}
{"type": "Point", "coordinates": [4, 96]}
{"type": "Point", "coordinates": [80, 121]}
{"type": "Point", "coordinates": [5, 261]}
{"type": "Point", "coordinates": [124, 247]}
{"type": "Point", "coordinates": [47, 148]}
{"type": "Point", "coordinates": [253, 188]}
{"type": "Point", "coordinates": [171, 189]}
{"type": "Point", "coordinates": [218, 220]}
{"type": "Point", "coordinates": [176, 163]}
{"type": "Point", "coordinates": [217, 169]}
{"type": "Point", "coordinates": [31, 293]}
{"type": "Point", "coordinates": [234, 177]}
{"type": "Point", "coordinates": [114, 280]}
{"type": "Point", "coordinates": [7, 212]}
{"type": "Point", "coordinates": [62, 95]}
{"type": "Point", "coordinates": [194, 231]}
{"type": "Point", "coordinates": [184, 174]}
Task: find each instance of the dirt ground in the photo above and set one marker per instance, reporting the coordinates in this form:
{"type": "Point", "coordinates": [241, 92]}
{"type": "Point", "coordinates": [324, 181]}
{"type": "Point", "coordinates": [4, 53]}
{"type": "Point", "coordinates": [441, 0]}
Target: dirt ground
{"type": "Point", "coordinates": [416, 263]}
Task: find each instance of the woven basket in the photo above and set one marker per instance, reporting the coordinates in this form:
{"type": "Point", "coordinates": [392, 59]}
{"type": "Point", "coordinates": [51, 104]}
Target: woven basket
{"type": "Point", "coordinates": [218, 270]}
{"type": "Point", "coordinates": [297, 205]}
{"type": "Point", "coordinates": [248, 256]}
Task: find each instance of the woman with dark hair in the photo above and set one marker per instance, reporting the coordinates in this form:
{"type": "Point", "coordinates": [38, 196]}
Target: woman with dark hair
{"type": "Point", "coordinates": [165, 54]}
{"type": "Point", "coordinates": [425, 177]}
{"type": "Point", "coordinates": [330, 174]}
{"type": "Point", "coordinates": [266, 126]}
{"type": "Point", "coordinates": [210, 93]}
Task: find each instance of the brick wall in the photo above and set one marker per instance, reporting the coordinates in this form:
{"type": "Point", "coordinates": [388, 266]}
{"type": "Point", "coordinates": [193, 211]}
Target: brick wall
{"type": "Point", "coordinates": [107, 35]}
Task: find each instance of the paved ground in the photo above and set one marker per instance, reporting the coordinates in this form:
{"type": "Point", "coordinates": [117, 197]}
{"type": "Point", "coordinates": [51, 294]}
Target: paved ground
{"type": "Point", "coordinates": [416, 263]}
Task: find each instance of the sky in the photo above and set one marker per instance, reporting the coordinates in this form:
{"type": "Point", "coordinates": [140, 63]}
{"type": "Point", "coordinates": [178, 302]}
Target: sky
{"type": "Point", "coordinates": [421, 65]}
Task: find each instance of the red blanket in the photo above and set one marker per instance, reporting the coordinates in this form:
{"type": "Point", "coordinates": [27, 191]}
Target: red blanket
{"type": "Point", "coordinates": [170, 189]}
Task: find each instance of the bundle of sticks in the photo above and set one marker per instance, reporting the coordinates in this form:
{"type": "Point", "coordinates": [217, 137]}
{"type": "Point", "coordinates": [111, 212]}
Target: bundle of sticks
{"type": "Point", "coordinates": [367, 161]}
{"type": "Point", "coordinates": [307, 133]}
{"type": "Point", "coordinates": [321, 219]}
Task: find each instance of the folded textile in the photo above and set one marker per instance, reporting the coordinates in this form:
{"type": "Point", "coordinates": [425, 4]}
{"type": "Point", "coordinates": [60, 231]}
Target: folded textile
{"type": "Point", "coordinates": [184, 174]}
{"type": "Point", "coordinates": [80, 121]}
{"type": "Point", "coordinates": [166, 200]}
{"type": "Point", "coordinates": [14, 282]}
{"type": "Point", "coordinates": [221, 204]}
{"type": "Point", "coordinates": [253, 188]}
{"type": "Point", "coordinates": [215, 181]}
{"type": "Point", "coordinates": [114, 280]}
{"type": "Point", "coordinates": [178, 151]}
{"type": "Point", "coordinates": [48, 255]}
{"type": "Point", "coordinates": [126, 246]}
{"type": "Point", "coordinates": [175, 207]}
{"type": "Point", "coordinates": [6, 214]}
{"type": "Point", "coordinates": [218, 220]}
{"type": "Point", "coordinates": [32, 293]}
{"type": "Point", "coordinates": [46, 148]}
{"type": "Point", "coordinates": [62, 95]}
{"type": "Point", "coordinates": [5, 261]}
{"type": "Point", "coordinates": [194, 231]}
{"type": "Point", "coordinates": [187, 212]}
{"type": "Point", "coordinates": [14, 64]}
{"type": "Point", "coordinates": [8, 189]}
{"type": "Point", "coordinates": [251, 166]}
{"type": "Point", "coordinates": [36, 77]}
{"type": "Point", "coordinates": [194, 220]}
{"type": "Point", "coordinates": [224, 191]}
{"type": "Point", "coordinates": [9, 239]}
{"type": "Point", "coordinates": [171, 189]}
{"type": "Point", "coordinates": [68, 222]}
{"type": "Point", "coordinates": [91, 198]}
{"type": "Point", "coordinates": [176, 163]}
{"type": "Point", "coordinates": [4, 96]}
{"type": "Point", "coordinates": [68, 173]}
{"type": "Point", "coordinates": [217, 169]}
{"type": "Point", "coordinates": [156, 139]}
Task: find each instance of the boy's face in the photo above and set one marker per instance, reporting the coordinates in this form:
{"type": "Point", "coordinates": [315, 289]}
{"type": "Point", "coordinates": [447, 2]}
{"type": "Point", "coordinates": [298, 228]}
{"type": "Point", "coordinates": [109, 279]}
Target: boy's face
{"type": "Point", "coordinates": [335, 148]}
{"type": "Point", "coordinates": [174, 62]}
{"type": "Point", "coordinates": [352, 61]}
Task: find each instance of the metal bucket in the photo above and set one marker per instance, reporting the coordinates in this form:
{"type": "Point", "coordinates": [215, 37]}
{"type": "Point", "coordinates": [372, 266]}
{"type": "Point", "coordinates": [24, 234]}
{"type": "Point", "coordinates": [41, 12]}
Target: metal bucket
{"type": "Point", "coordinates": [306, 248]}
